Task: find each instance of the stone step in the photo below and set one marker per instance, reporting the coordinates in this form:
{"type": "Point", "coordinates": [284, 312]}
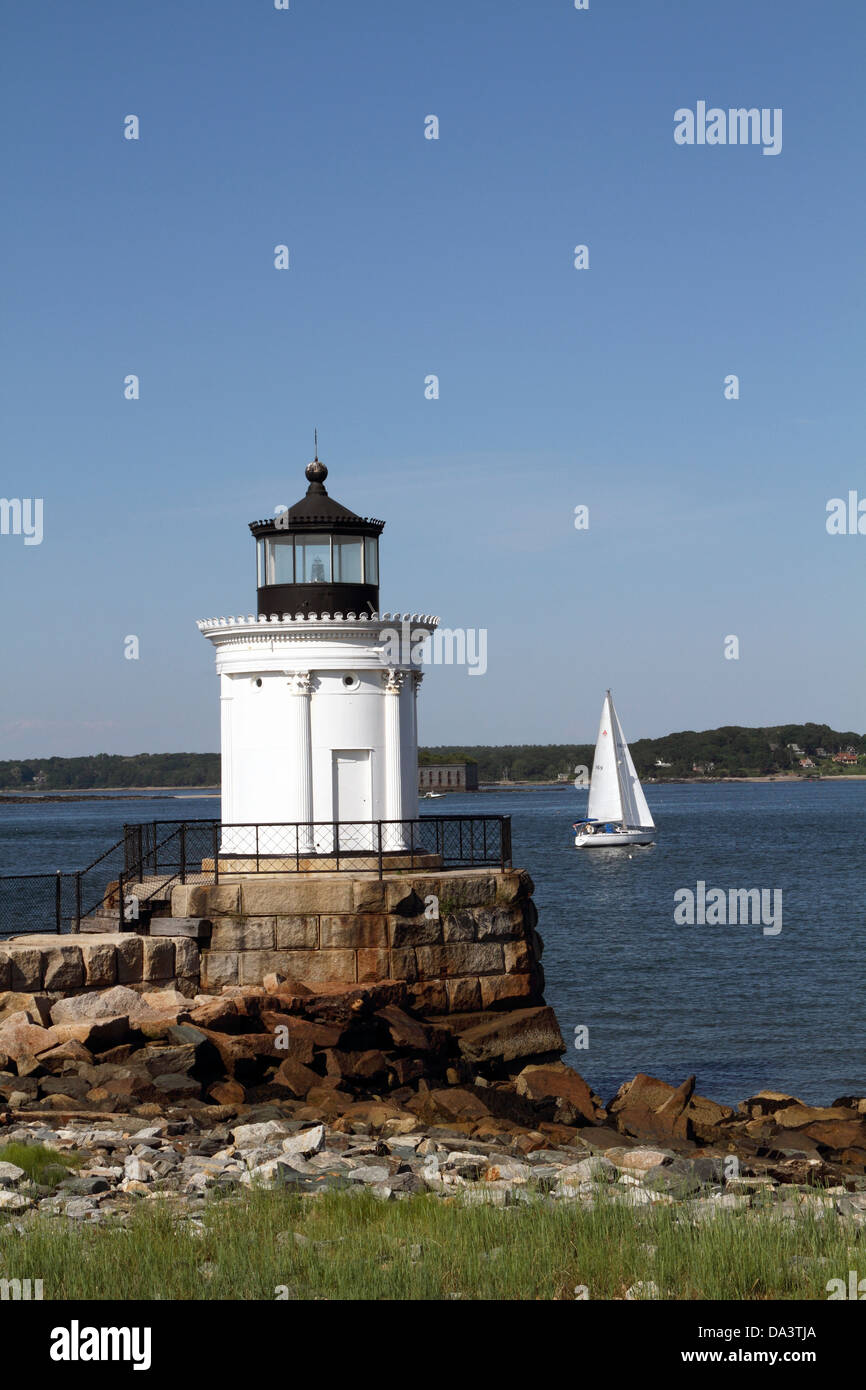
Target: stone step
{"type": "Point", "coordinates": [104, 922]}
{"type": "Point", "coordinates": [197, 928]}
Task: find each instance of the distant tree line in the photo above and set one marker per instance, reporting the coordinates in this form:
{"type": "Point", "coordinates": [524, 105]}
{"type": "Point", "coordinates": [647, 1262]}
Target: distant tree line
{"type": "Point", "coordinates": [111, 770]}
{"type": "Point", "coordinates": [728, 752]}
{"type": "Point", "coordinates": [731, 751]}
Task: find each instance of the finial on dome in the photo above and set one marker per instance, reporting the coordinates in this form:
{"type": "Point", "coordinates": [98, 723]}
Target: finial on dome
{"type": "Point", "coordinates": [316, 472]}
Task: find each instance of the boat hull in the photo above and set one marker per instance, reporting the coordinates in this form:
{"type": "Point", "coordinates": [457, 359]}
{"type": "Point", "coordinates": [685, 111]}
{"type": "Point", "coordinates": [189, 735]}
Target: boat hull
{"type": "Point", "coordinates": [612, 838]}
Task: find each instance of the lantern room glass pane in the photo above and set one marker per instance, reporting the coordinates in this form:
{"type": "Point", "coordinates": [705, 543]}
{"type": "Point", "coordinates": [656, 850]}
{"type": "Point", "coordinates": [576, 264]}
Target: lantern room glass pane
{"type": "Point", "coordinates": [279, 560]}
{"type": "Point", "coordinates": [347, 559]}
{"type": "Point", "coordinates": [371, 560]}
{"type": "Point", "coordinates": [260, 562]}
{"type": "Point", "coordinates": [313, 560]}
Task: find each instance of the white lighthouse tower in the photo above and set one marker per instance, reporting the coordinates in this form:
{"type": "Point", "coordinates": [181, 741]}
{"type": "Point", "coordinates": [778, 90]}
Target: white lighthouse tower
{"type": "Point", "coordinates": [318, 692]}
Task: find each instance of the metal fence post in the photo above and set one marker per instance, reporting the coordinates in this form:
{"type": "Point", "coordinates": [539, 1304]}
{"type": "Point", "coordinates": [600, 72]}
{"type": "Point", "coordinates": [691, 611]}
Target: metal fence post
{"type": "Point", "coordinates": [216, 857]}
{"type": "Point", "coordinates": [183, 852]}
{"type": "Point", "coordinates": [379, 827]}
{"type": "Point", "coordinates": [58, 900]}
{"type": "Point", "coordinates": [120, 914]}
{"type": "Point", "coordinates": [78, 901]}
{"type": "Point", "coordinates": [155, 852]}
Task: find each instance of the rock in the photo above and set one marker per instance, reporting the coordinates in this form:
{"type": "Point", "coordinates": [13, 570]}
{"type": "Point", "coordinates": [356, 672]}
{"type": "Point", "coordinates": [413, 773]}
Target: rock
{"type": "Point", "coordinates": [251, 1136]}
{"type": "Point", "coordinates": [217, 1016]}
{"type": "Point", "coordinates": [227, 1092]}
{"type": "Point", "coordinates": [369, 1174]}
{"type": "Point", "coordinates": [638, 1161]}
{"type": "Point", "coordinates": [38, 1006]}
{"type": "Point", "coordinates": [406, 1031]}
{"type": "Point", "coordinates": [767, 1103]}
{"type": "Point", "coordinates": [292, 1076]}
{"type": "Point", "coordinates": [508, 1170]}
{"type": "Point", "coordinates": [798, 1116]}
{"type": "Point", "coordinates": [13, 1202]}
{"type": "Point", "coordinates": [103, 1003]}
{"type": "Point", "coordinates": [11, 1174]}
{"type": "Point", "coordinates": [308, 1141]}
{"type": "Point", "coordinates": [70, 1051]}
{"type": "Point", "coordinates": [452, 1103]}
{"type": "Point", "coordinates": [20, 1037]}
{"type": "Point", "coordinates": [509, 1036]}
{"type": "Point", "coordinates": [83, 1187]}
{"type": "Point", "coordinates": [298, 1037]}
{"type": "Point", "coordinates": [550, 1085]}
{"type": "Point", "coordinates": [177, 1086]}
{"type": "Point", "coordinates": [838, 1134]}
{"type": "Point", "coordinates": [678, 1099]}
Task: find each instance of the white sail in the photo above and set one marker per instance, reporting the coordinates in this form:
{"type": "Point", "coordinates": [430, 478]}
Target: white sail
{"type": "Point", "coordinates": [604, 788]}
{"type": "Point", "coordinates": [635, 808]}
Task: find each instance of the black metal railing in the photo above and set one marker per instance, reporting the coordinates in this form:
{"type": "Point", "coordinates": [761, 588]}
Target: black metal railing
{"type": "Point", "coordinates": [151, 858]}
{"type": "Point", "coordinates": [198, 851]}
{"type": "Point", "coordinates": [58, 901]}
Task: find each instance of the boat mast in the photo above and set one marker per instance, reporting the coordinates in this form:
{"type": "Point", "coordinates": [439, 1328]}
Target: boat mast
{"type": "Point", "coordinates": [613, 725]}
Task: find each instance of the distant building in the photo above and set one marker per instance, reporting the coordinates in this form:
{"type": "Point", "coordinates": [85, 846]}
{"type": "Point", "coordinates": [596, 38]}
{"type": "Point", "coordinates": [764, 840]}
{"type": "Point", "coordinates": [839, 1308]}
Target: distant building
{"type": "Point", "coordinates": [448, 777]}
{"type": "Point", "coordinates": [796, 750]}
{"type": "Point", "coordinates": [661, 763]}
{"type": "Point", "coordinates": [806, 762]}
{"type": "Point", "coordinates": [821, 753]}
{"type": "Point", "coordinates": [847, 758]}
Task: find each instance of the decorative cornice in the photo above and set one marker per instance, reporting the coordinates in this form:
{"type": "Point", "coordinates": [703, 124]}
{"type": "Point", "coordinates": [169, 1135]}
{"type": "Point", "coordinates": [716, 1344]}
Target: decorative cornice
{"type": "Point", "coordinates": [299, 625]}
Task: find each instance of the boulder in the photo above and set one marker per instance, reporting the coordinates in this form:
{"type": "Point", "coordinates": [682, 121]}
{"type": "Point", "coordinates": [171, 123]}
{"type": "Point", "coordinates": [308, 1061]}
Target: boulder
{"type": "Point", "coordinates": [510, 1036]}
{"type": "Point", "coordinates": [295, 1078]}
{"type": "Point", "coordinates": [38, 1006]}
{"type": "Point", "coordinates": [798, 1116]}
{"type": "Point", "coordinates": [363, 1066]}
{"type": "Point", "coordinates": [302, 1037]}
{"type": "Point", "coordinates": [838, 1134]}
{"type": "Point", "coordinates": [406, 1031]}
{"type": "Point", "coordinates": [227, 1093]}
{"type": "Point", "coordinates": [549, 1086]}
{"type": "Point", "coordinates": [766, 1103]}
{"type": "Point", "coordinates": [103, 1003]}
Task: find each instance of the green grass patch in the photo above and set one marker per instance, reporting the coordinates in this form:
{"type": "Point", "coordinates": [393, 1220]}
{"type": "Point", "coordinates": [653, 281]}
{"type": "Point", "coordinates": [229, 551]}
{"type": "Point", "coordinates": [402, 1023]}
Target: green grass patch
{"type": "Point", "coordinates": [356, 1247]}
{"type": "Point", "coordinates": [44, 1166]}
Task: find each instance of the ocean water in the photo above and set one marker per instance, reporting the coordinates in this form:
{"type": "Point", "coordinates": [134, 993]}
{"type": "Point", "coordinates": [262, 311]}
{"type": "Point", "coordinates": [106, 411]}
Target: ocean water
{"type": "Point", "coordinates": [742, 1009]}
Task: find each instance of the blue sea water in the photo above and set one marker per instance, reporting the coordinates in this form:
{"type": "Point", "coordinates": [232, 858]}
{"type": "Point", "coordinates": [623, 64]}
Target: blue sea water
{"type": "Point", "coordinates": [741, 1009]}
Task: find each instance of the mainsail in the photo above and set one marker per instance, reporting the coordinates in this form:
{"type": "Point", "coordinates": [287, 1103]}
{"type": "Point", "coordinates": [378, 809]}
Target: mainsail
{"type": "Point", "coordinates": [615, 792]}
{"type": "Point", "coordinates": [605, 802]}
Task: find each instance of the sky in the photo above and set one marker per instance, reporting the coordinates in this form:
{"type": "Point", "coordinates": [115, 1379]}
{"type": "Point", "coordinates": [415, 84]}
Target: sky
{"type": "Point", "coordinates": [410, 257]}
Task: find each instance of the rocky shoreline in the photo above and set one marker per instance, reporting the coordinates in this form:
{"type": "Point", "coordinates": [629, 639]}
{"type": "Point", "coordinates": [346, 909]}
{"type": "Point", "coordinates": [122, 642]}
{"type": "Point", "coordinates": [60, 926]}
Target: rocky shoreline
{"type": "Point", "coordinates": [347, 1087]}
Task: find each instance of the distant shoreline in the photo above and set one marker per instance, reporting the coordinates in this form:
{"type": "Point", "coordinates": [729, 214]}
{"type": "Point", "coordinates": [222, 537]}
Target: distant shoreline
{"type": "Point", "coordinates": [213, 793]}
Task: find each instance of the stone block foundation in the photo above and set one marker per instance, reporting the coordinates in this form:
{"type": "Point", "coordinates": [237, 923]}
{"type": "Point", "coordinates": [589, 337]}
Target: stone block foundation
{"type": "Point", "coordinates": [462, 940]}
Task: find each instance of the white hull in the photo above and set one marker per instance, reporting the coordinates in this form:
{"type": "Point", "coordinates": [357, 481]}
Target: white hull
{"type": "Point", "coordinates": [610, 839]}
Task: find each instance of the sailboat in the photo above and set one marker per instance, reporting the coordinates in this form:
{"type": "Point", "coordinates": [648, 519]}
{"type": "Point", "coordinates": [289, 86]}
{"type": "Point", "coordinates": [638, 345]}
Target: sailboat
{"type": "Point", "coordinates": [617, 813]}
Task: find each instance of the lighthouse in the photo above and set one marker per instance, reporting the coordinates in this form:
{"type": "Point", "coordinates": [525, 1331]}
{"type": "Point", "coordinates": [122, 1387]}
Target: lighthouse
{"type": "Point", "coordinates": [318, 693]}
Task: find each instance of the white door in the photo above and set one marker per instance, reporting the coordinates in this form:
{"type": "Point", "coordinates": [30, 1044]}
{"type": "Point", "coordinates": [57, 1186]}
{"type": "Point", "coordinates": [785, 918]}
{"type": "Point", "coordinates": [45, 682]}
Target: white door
{"type": "Point", "coordinates": [353, 796]}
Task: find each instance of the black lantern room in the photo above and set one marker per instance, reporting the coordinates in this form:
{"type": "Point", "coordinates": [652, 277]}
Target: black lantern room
{"type": "Point", "coordinates": [317, 557]}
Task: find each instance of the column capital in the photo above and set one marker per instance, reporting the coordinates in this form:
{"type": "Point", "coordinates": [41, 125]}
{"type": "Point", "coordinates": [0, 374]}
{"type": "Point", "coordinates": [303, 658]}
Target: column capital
{"type": "Point", "coordinates": [394, 681]}
{"type": "Point", "coordinates": [300, 682]}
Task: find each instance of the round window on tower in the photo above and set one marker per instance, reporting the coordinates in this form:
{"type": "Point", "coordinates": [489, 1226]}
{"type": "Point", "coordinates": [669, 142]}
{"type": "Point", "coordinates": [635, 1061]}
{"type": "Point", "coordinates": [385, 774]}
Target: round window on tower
{"type": "Point", "coordinates": [258, 681]}
{"type": "Point", "coordinates": [350, 681]}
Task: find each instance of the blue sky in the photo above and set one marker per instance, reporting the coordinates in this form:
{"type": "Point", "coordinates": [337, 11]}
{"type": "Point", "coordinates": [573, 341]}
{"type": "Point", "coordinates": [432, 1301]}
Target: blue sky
{"type": "Point", "coordinates": [409, 256]}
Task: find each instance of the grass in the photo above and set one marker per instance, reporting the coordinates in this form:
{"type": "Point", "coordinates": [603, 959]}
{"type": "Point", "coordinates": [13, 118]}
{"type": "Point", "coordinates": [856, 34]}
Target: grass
{"type": "Point", "coordinates": [42, 1165]}
{"type": "Point", "coordinates": [428, 1249]}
